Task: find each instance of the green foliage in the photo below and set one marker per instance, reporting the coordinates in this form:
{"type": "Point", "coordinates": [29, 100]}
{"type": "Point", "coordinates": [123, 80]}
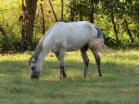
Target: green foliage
{"type": "Point", "coordinates": [10, 10]}
{"type": "Point", "coordinates": [9, 13]}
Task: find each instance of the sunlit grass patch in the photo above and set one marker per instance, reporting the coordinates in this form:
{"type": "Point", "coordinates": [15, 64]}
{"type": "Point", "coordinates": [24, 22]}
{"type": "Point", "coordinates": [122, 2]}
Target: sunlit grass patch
{"type": "Point", "coordinates": [118, 62]}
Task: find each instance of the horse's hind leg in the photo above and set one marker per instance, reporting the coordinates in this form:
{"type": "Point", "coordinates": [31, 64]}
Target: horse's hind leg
{"type": "Point", "coordinates": [60, 57]}
{"type": "Point", "coordinates": [85, 60]}
{"type": "Point", "coordinates": [97, 58]}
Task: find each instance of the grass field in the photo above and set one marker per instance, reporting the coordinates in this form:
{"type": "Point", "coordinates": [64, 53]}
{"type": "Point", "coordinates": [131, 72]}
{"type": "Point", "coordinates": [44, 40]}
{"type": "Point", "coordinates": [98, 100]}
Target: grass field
{"type": "Point", "coordinates": [119, 84]}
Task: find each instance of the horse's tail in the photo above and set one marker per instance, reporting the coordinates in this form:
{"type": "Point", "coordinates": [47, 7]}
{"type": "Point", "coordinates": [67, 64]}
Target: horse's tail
{"type": "Point", "coordinates": [99, 45]}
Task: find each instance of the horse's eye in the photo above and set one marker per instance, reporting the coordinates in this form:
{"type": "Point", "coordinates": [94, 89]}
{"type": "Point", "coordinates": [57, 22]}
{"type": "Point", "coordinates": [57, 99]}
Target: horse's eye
{"type": "Point", "coordinates": [33, 68]}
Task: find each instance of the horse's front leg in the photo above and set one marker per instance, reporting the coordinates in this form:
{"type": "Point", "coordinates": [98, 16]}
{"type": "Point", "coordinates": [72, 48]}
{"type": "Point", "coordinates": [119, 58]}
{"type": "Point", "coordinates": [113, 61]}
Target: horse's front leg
{"type": "Point", "coordinates": [85, 60]}
{"type": "Point", "coordinates": [97, 58]}
{"type": "Point", "coordinates": [60, 57]}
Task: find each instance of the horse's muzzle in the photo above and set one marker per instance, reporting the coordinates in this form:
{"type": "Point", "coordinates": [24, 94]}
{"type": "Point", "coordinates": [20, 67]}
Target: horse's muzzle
{"type": "Point", "coordinates": [35, 75]}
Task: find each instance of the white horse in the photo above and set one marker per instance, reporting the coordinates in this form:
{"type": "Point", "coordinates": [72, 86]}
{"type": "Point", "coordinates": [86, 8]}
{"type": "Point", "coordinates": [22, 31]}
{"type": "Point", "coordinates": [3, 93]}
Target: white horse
{"type": "Point", "coordinates": [64, 37]}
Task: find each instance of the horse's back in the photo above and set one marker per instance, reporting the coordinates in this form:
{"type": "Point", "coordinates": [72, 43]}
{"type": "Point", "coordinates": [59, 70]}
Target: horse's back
{"type": "Point", "coordinates": [74, 29]}
{"type": "Point", "coordinates": [72, 35]}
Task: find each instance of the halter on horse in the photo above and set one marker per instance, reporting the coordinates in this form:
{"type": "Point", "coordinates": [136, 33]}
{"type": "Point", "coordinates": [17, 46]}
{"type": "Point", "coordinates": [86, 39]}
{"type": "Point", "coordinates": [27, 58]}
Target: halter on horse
{"type": "Point", "coordinates": [64, 37]}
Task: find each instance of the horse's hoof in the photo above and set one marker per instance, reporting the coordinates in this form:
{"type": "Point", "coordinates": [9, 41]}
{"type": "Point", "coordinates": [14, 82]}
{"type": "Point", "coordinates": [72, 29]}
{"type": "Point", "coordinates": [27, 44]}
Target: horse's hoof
{"type": "Point", "coordinates": [35, 75]}
{"type": "Point", "coordinates": [63, 78]}
{"type": "Point", "coordinates": [100, 75]}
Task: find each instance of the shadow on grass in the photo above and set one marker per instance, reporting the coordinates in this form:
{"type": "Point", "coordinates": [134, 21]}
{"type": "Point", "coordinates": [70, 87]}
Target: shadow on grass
{"type": "Point", "coordinates": [50, 67]}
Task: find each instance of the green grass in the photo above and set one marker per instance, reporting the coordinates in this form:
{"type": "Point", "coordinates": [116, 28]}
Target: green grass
{"type": "Point", "coordinates": [119, 84]}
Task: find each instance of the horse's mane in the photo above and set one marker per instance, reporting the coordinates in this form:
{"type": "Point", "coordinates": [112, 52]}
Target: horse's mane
{"type": "Point", "coordinates": [40, 45]}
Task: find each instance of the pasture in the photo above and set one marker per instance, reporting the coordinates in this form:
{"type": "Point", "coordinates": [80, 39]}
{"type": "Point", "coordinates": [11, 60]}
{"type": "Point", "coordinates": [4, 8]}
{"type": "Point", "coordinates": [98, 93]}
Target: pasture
{"type": "Point", "coordinates": [119, 84]}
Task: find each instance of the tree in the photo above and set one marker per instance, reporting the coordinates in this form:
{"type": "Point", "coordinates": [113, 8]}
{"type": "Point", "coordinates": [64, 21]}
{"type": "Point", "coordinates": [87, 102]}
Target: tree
{"type": "Point", "coordinates": [62, 9]}
{"type": "Point", "coordinates": [91, 11]}
{"type": "Point", "coordinates": [42, 18]}
{"type": "Point", "coordinates": [53, 10]}
{"type": "Point", "coordinates": [28, 16]}
{"type": "Point", "coordinates": [109, 9]}
{"type": "Point", "coordinates": [72, 10]}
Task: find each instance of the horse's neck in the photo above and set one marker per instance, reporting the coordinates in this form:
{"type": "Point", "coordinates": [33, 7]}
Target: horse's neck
{"type": "Point", "coordinates": [44, 48]}
{"type": "Point", "coordinates": [42, 55]}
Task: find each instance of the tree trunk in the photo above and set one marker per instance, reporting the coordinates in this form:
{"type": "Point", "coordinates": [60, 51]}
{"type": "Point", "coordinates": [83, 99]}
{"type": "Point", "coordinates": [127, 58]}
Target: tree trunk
{"type": "Point", "coordinates": [128, 30]}
{"type": "Point", "coordinates": [42, 18]}
{"type": "Point", "coordinates": [72, 14]}
{"type": "Point", "coordinates": [23, 19]}
{"type": "Point", "coordinates": [62, 9]}
{"type": "Point", "coordinates": [113, 22]}
{"type": "Point", "coordinates": [80, 12]}
{"type": "Point", "coordinates": [31, 6]}
{"type": "Point", "coordinates": [53, 11]}
{"type": "Point", "coordinates": [91, 11]}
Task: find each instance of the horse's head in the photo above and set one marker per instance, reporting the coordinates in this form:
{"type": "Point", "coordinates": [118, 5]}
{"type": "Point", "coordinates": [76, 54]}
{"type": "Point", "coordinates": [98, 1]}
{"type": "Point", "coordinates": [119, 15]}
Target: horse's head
{"type": "Point", "coordinates": [34, 67]}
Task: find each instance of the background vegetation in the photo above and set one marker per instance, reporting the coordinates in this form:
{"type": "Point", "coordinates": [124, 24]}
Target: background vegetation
{"type": "Point", "coordinates": [118, 19]}
{"type": "Point", "coordinates": [119, 84]}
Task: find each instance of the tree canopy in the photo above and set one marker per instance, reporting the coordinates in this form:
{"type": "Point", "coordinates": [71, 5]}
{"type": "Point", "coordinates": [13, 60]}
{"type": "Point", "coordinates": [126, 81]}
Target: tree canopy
{"type": "Point", "coordinates": [23, 23]}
